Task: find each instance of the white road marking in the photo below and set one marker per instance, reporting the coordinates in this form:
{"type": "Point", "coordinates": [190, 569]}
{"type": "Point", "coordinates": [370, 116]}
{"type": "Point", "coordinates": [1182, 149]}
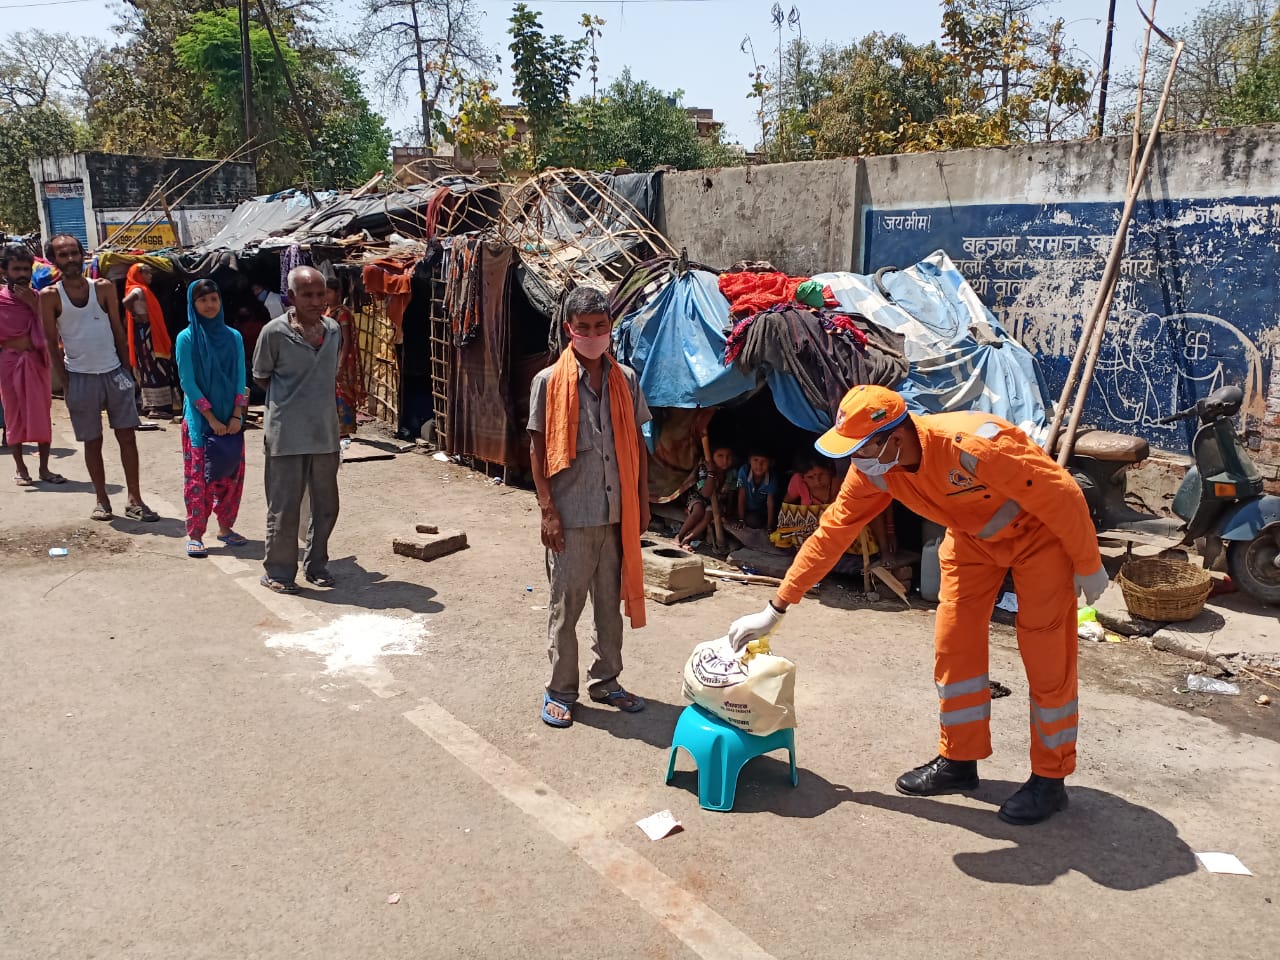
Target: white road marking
{"type": "Point", "coordinates": [696, 925]}
{"type": "Point", "coordinates": [691, 921]}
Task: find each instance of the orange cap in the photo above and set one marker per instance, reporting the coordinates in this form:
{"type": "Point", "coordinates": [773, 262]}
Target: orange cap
{"type": "Point", "coordinates": [865, 411]}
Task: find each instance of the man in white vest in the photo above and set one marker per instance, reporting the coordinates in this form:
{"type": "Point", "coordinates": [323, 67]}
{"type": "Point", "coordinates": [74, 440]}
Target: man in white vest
{"type": "Point", "coordinates": [90, 354]}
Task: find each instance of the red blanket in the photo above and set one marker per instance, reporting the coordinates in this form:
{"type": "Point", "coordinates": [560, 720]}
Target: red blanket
{"type": "Point", "coordinates": [750, 293]}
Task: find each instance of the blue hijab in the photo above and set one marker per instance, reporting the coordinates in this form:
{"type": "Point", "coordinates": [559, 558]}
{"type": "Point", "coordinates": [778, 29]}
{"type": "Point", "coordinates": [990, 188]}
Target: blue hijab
{"type": "Point", "coordinates": [218, 356]}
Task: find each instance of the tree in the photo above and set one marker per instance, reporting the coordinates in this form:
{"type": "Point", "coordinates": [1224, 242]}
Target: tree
{"type": "Point", "coordinates": [432, 44]}
{"type": "Point", "coordinates": [633, 124]}
{"type": "Point", "coordinates": [27, 133]}
{"type": "Point", "coordinates": [42, 69]}
{"type": "Point", "coordinates": [1255, 96]}
{"type": "Point", "coordinates": [545, 68]}
{"type": "Point", "coordinates": [868, 96]}
{"type": "Point", "coordinates": [1226, 42]}
{"type": "Point", "coordinates": [174, 86]}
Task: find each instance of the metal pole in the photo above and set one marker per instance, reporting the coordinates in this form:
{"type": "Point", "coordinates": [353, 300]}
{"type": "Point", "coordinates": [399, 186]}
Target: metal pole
{"type": "Point", "coordinates": [246, 73]}
{"type": "Point", "coordinates": [1105, 79]}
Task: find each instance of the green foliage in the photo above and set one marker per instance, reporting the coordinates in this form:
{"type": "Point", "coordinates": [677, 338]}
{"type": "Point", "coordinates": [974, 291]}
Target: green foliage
{"type": "Point", "coordinates": [545, 68]}
{"type": "Point", "coordinates": [174, 86]}
{"type": "Point", "coordinates": [636, 125]}
{"type": "Point", "coordinates": [27, 133]}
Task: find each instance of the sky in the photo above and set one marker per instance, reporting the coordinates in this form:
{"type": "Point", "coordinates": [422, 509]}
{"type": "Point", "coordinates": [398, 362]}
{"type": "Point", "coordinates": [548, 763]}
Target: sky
{"type": "Point", "coordinates": [689, 45]}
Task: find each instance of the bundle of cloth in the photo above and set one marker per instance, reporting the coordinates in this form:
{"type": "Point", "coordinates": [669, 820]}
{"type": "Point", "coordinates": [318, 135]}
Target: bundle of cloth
{"type": "Point", "coordinates": [827, 354]}
{"type": "Point", "coordinates": [750, 292]}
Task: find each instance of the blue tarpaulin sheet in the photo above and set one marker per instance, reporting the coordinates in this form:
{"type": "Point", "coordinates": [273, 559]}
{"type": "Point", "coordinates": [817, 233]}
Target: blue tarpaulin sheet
{"type": "Point", "coordinates": [960, 356]}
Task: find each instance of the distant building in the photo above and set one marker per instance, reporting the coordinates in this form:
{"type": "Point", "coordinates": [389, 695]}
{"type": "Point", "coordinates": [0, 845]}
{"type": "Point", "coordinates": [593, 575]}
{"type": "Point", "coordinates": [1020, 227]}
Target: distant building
{"type": "Point", "coordinates": [93, 195]}
{"type": "Point", "coordinates": [707, 126]}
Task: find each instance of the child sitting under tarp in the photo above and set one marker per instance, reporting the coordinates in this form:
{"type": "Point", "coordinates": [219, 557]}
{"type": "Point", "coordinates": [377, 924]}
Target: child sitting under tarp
{"type": "Point", "coordinates": [812, 489]}
{"type": "Point", "coordinates": [715, 479]}
{"type": "Point", "coordinates": [758, 491]}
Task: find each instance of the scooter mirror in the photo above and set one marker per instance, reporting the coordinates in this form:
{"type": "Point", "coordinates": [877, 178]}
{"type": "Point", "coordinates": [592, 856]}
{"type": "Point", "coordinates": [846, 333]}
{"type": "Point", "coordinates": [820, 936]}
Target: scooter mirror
{"type": "Point", "coordinates": [1223, 402]}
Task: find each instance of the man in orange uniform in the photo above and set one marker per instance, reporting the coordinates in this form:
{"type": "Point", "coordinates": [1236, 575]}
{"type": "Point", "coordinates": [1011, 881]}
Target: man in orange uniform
{"type": "Point", "coordinates": [1006, 505]}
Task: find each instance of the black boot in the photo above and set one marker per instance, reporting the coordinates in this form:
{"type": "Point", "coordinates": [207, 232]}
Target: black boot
{"type": "Point", "coordinates": [939, 775]}
{"type": "Point", "coordinates": [1037, 799]}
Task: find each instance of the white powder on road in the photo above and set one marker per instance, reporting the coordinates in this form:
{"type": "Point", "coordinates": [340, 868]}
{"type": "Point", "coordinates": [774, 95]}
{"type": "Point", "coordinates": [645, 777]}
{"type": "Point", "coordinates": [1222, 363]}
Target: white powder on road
{"type": "Point", "coordinates": [358, 640]}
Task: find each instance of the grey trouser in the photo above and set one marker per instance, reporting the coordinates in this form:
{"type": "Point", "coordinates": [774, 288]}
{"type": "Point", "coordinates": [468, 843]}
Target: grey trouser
{"type": "Point", "coordinates": [287, 479]}
{"type": "Point", "coordinates": [590, 565]}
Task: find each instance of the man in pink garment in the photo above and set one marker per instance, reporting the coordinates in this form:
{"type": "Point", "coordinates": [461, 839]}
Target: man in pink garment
{"type": "Point", "coordinates": [24, 366]}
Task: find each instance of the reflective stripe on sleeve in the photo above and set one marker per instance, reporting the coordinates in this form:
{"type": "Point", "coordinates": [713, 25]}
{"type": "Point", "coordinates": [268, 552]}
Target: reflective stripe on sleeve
{"type": "Point", "coordinates": [1005, 514]}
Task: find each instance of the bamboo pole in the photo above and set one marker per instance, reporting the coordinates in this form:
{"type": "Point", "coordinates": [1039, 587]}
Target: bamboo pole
{"type": "Point", "coordinates": [715, 494]}
{"type": "Point", "coordinates": [1113, 264]}
{"type": "Point", "coordinates": [147, 204]}
{"type": "Point", "coordinates": [1088, 330]}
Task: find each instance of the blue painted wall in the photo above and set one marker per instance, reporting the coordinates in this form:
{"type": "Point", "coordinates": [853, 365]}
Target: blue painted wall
{"type": "Point", "coordinates": [1197, 304]}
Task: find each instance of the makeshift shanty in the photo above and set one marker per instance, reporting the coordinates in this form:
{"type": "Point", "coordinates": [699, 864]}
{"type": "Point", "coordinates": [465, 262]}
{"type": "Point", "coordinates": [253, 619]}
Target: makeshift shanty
{"type": "Point", "coordinates": [921, 330]}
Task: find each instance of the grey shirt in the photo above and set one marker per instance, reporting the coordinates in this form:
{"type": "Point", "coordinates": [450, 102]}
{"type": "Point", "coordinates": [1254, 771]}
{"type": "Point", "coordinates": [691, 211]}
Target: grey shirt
{"type": "Point", "coordinates": [302, 410]}
{"type": "Point", "coordinates": [587, 493]}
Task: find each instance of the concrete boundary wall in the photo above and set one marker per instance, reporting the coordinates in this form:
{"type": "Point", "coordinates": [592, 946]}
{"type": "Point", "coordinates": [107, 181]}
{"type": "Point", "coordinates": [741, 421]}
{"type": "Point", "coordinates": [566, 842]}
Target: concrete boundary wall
{"type": "Point", "coordinates": [794, 215]}
{"type": "Point", "coordinates": [1031, 226]}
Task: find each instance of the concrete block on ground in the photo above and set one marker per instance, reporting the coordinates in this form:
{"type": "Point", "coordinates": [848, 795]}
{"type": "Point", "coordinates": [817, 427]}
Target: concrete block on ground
{"type": "Point", "coordinates": [430, 547]}
{"type": "Point", "coordinates": [668, 597]}
{"type": "Point", "coordinates": [670, 568]}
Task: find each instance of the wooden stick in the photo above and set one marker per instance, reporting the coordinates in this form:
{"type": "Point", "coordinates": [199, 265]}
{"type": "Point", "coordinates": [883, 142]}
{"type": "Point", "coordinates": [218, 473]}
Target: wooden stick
{"type": "Point", "coordinates": [715, 494]}
{"type": "Point", "coordinates": [892, 582]}
{"type": "Point", "coordinates": [147, 204]}
{"type": "Point", "coordinates": [1113, 263]}
{"type": "Point", "coordinates": [168, 215]}
{"type": "Point", "coordinates": [756, 578]}
{"type": "Point", "coordinates": [1137, 107]}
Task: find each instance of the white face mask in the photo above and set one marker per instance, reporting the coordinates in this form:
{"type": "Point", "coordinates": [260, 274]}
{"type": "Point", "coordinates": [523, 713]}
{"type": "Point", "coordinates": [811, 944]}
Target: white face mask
{"type": "Point", "coordinates": [875, 468]}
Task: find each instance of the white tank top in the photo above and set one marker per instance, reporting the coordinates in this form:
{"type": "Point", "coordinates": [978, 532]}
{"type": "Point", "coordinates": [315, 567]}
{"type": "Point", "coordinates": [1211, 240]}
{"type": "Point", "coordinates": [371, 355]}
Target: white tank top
{"type": "Point", "coordinates": [87, 340]}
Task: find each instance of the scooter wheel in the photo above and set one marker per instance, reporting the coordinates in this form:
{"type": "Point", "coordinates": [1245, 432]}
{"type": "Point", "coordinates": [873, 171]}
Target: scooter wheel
{"type": "Point", "coordinates": [1252, 564]}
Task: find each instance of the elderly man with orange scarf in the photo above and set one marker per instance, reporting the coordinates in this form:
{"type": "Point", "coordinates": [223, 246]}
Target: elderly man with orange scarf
{"type": "Point", "coordinates": [150, 346]}
{"type": "Point", "coordinates": [1007, 506]}
{"type": "Point", "coordinates": [590, 468]}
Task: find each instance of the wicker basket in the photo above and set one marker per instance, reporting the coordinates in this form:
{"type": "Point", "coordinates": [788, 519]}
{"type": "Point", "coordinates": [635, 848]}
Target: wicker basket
{"type": "Point", "coordinates": [1164, 590]}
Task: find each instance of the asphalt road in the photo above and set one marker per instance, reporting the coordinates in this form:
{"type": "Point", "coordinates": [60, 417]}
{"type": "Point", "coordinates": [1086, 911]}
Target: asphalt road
{"type": "Point", "coordinates": [191, 766]}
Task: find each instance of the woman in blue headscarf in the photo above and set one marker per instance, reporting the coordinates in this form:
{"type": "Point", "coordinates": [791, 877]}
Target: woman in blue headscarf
{"type": "Point", "coordinates": [212, 371]}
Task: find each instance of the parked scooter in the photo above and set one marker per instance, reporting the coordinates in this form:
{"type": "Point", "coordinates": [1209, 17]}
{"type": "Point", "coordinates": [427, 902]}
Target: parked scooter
{"type": "Point", "coordinates": [1220, 499]}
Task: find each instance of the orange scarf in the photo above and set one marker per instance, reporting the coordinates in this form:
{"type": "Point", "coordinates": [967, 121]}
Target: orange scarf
{"type": "Point", "coordinates": [562, 447]}
{"type": "Point", "coordinates": [161, 343]}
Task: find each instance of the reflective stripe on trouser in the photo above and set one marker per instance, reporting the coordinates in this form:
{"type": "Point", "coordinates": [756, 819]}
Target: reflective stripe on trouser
{"type": "Point", "coordinates": [972, 573]}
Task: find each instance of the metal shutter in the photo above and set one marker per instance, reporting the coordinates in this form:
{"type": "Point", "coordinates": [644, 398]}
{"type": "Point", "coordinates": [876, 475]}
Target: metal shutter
{"type": "Point", "coordinates": [66, 215]}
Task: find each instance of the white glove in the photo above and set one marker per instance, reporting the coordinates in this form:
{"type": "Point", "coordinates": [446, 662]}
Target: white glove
{"type": "Point", "coordinates": [1093, 585]}
{"type": "Point", "coordinates": [754, 626]}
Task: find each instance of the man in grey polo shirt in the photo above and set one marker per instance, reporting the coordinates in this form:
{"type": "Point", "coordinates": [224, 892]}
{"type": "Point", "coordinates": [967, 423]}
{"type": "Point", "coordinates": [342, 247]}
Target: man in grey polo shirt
{"type": "Point", "coordinates": [296, 363]}
{"type": "Point", "coordinates": [582, 509]}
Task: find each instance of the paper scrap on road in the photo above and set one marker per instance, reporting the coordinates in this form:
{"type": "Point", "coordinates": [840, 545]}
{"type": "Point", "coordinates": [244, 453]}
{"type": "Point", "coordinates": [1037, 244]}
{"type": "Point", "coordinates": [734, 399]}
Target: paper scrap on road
{"type": "Point", "coordinates": [661, 824]}
{"type": "Point", "coordinates": [1224, 863]}
{"type": "Point", "coordinates": [358, 640]}
{"type": "Point", "coordinates": [394, 898]}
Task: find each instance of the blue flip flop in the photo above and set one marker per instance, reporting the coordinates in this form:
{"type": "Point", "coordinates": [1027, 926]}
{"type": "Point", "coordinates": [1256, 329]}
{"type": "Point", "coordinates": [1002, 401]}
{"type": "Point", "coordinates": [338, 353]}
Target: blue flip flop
{"type": "Point", "coordinates": [196, 550]}
{"type": "Point", "coordinates": [233, 539]}
{"type": "Point", "coordinates": [549, 720]}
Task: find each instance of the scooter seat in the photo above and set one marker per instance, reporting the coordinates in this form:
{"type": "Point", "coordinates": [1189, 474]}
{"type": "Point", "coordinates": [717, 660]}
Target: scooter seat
{"type": "Point", "coordinates": [1111, 447]}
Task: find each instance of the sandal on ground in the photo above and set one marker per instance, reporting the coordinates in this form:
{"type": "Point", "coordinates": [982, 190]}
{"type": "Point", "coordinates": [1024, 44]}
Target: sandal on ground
{"type": "Point", "coordinates": [233, 539]}
{"type": "Point", "coordinates": [54, 478]}
{"type": "Point", "coordinates": [22, 481]}
{"type": "Point", "coordinates": [102, 512]}
{"type": "Point", "coordinates": [552, 721]}
{"type": "Point", "coordinates": [278, 586]}
{"type": "Point", "coordinates": [196, 550]}
{"type": "Point", "coordinates": [626, 702]}
{"type": "Point", "coordinates": [140, 511]}
{"type": "Point", "coordinates": [321, 579]}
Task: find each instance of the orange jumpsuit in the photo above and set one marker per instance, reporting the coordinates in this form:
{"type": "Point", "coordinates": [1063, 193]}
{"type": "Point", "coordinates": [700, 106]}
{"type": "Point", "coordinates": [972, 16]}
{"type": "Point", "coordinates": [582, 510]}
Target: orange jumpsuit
{"type": "Point", "coordinates": [1006, 505]}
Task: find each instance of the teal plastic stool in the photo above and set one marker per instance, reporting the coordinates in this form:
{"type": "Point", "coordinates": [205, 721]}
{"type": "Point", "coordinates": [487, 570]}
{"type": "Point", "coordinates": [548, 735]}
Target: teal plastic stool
{"type": "Point", "coordinates": [720, 750]}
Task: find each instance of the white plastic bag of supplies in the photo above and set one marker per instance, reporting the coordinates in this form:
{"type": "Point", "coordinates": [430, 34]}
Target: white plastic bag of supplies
{"type": "Point", "coordinates": [752, 690]}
